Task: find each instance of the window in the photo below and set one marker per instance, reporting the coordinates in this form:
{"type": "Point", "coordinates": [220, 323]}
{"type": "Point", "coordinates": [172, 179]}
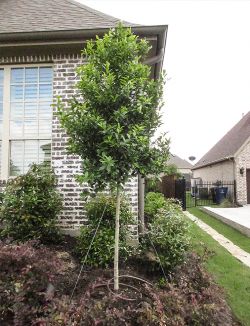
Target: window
{"type": "Point", "coordinates": [25, 117]}
{"type": "Point", "coordinates": [1, 115]}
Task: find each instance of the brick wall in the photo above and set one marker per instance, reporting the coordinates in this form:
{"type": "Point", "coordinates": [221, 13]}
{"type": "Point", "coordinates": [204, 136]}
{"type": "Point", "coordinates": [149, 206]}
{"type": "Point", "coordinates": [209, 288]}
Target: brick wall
{"type": "Point", "coordinates": [67, 166]}
{"type": "Point", "coordinates": [242, 160]}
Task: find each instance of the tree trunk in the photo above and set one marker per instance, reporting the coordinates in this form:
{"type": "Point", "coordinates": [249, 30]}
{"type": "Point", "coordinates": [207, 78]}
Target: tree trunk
{"type": "Point", "coordinates": [117, 231]}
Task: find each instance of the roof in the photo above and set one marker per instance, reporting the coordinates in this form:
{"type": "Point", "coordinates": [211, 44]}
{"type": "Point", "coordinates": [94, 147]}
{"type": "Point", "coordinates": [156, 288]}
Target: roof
{"type": "Point", "coordinates": [179, 162]}
{"type": "Point", "coordinates": [44, 27]}
{"type": "Point", "coordinates": [19, 16]}
{"type": "Point", "coordinates": [228, 146]}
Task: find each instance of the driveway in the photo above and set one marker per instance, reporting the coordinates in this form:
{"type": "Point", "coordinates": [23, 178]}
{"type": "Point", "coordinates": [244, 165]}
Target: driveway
{"type": "Point", "coordinates": [238, 218]}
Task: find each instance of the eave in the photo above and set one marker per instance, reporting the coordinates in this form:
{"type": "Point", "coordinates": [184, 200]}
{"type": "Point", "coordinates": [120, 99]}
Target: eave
{"type": "Point", "coordinates": [228, 158]}
{"type": "Point", "coordinates": [67, 41]}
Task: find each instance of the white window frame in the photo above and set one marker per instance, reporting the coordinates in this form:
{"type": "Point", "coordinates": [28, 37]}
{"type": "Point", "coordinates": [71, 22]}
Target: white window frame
{"type": "Point", "coordinates": [6, 114]}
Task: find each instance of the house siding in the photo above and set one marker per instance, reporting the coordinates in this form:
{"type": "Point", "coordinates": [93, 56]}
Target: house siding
{"type": "Point", "coordinates": [242, 160]}
{"type": "Point", "coordinates": [223, 171]}
{"type": "Point", "coordinates": [67, 166]}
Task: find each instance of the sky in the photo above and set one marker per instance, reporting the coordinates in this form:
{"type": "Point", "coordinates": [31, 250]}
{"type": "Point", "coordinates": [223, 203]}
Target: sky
{"type": "Point", "coordinates": [207, 61]}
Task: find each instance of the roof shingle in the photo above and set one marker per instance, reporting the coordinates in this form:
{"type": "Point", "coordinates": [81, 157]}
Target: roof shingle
{"type": "Point", "coordinates": [179, 162]}
{"type": "Point", "coordinates": [20, 16]}
{"type": "Point", "coordinates": [229, 144]}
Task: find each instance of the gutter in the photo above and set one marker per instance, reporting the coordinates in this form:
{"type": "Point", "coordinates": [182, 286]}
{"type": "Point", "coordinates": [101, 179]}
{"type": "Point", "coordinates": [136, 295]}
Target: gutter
{"type": "Point", "coordinates": [213, 162]}
{"type": "Point", "coordinates": [75, 33]}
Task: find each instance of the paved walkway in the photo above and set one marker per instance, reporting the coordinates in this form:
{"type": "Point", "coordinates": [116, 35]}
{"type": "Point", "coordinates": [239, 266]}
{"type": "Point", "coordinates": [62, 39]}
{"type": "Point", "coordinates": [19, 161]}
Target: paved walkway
{"type": "Point", "coordinates": [237, 252]}
{"type": "Point", "coordinates": [238, 218]}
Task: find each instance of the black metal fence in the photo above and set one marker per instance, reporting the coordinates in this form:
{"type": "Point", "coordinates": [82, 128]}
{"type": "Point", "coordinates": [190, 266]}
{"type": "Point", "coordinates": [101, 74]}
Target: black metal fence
{"type": "Point", "coordinates": [197, 193]}
{"type": "Point", "coordinates": [210, 193]}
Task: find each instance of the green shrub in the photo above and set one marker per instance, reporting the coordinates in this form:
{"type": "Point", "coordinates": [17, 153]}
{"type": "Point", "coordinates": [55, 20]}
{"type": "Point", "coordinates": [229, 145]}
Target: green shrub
{"type": "Point", "coordinates": [152, 185]}
{"type": "Point", "coordinates": [153, 203]}
{"type": "Point", "coordinates": [168, 235]}
{"type": "Point", "coordinates": [1, 198]}
{"type": "Point", "coordinates": [26, 276]}
{"type": "Point", "coordinates": [30, 206]}
{"type": "Point", "coordinates": [102, 250]}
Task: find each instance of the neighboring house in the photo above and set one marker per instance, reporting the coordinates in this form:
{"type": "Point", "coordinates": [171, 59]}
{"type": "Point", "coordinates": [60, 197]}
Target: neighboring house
{"type": "Point", "coordinates": [229, 160]}
{"type": "Point", "coordinates": [183, 166]}
{"type": "Point", "coordinates": [40, 48]}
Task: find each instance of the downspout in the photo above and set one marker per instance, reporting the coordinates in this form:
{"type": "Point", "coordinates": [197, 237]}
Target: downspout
{"type": "Point", "coordinates": [156, 59]}
{"type": "Point", "coordinates": [235, 183]}
{"type": "Point", "coordinates": [141, 201]}
{"type": "Point", "coordinates": [141, 181]}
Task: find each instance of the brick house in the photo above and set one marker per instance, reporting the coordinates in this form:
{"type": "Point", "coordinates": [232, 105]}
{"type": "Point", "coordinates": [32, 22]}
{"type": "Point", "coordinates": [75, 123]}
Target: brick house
{"type": "Point", "coordinates": [229, 160]}
{"type": "Point", "coordinates": [40, 48]}
{"type": "Point", "coordinates": [183, 166]}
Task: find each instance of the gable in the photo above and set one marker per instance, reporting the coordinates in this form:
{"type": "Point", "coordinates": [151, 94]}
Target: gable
{"type": "Point", "coordinates": [228, 146]}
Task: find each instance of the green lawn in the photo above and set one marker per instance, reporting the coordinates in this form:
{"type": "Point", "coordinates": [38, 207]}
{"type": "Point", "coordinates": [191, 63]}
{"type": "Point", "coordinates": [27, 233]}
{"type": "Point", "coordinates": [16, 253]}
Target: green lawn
{"type": "Point", "coordinates": [228, 272]}
{"type": "Point", "coordinates": [235, 236]}
{"type": "Point", "coordinates": [190, 201]}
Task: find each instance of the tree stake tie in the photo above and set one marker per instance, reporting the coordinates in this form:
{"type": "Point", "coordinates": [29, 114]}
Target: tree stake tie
{"type": "Point", "coordinates": [86, 256]}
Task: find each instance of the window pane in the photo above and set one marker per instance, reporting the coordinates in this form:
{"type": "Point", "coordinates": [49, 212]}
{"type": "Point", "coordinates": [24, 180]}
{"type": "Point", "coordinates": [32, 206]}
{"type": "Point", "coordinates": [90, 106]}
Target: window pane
{"type": "Point", "coordinates": [17, 75]}
{"type": "Point", "coordinates": [45, 92]}
{"type": "Point", "coordinates": [45, 110]}
{"type": "Point", "coordinates": [45, 151]}
{"type": "Point", "coordinates": [1, 103]}
{"type": "Point", "coordinates": [30, 92]}
{"type": "Point", "coordinates": [46, 75]}
{"type": "Point", "coordinates": [44, 128]}
{"type": "Point", "coordinates": [30, 129]}
{"type": "Point", "coordinates": [16, 111]}
{"type": "Point", "coordinates": [1, 111]}
{"type": "Point", "coordinates": [1, 76]}
{"type": "Point", "coordinates": [30, 153]}
{"type": "Point", "coordinates": [30, 110]}
{"type": "Point", "coordinates": [17, 93]}
{"type": "Point", "coordinates": [31, 75]}
{"type": "Point", "coordinates": [24, 153]}
{"type": "Point", "coordinates": [16, 129]}
{"type": "Point", "coordinates": [0, 156]}
{"type": "Point", "coordinates": [16, 157]}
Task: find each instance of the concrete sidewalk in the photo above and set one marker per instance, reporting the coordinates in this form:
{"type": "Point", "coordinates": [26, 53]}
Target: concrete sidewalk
{"type": "Point", "coordinates": [237, 217]}
{"type": "Point", "coordinates": [234, 250]}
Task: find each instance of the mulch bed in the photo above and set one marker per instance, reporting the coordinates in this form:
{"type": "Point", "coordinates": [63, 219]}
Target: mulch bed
{"type": "Point", "coordinates": [188, 297]}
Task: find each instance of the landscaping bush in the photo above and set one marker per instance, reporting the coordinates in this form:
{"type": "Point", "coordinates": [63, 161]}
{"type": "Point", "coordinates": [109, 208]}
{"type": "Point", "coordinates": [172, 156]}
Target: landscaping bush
{"type": "Point", "coordinates": [36, 283]}
{"type": "Point", "coordinates": [30, 206]}
{"type": "Point", "coordinates": [1, 198]}
{"type": "Point", "coordinates": [153, 202]}
{"type": "Point", "coordinates": [168, 235]}
{"type": "Point", "coordinates": [102, 250]}
{"type": "Point", "coordinates": [190, 299]}
{"type": "Point", "coordinates": [152, 185]}
{"type": "Point", "coordinates": [26, 274]}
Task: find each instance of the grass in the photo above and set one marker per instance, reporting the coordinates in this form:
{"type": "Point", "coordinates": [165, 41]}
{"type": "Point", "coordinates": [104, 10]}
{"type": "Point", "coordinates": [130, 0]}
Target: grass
{"type": "Point", "coordinates": [228, 272]}
{"type": "Point", "coordinates": [235, 236]}
{"type": "Point", "coordinates": [190, 201]}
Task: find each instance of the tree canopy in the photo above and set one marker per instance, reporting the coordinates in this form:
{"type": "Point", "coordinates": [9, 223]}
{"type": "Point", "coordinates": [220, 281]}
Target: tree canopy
{"type": "Point", "coordinates": [112, 124]}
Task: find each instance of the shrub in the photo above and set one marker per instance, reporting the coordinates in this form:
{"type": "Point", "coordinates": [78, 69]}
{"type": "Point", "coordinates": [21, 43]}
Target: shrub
{"type": "Point", "coordinates": [30, 206]}
{"type": "Point", "coordinates": [1, 198]}
{"type": "Point", "coordinates": [190, 299]}
{"type": "Point", "coordinates": [152, 185]}
{"type": "Point", "coordinates": [102, 250]}
{"type": "Point", "coordinates": [154, 201]}
{"type": "Point", "coordinates": [168, 235]}
{"type": "Point", "coordinates": [195, 297]}
{"type": "Point", "coordinates": [26, 277]}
